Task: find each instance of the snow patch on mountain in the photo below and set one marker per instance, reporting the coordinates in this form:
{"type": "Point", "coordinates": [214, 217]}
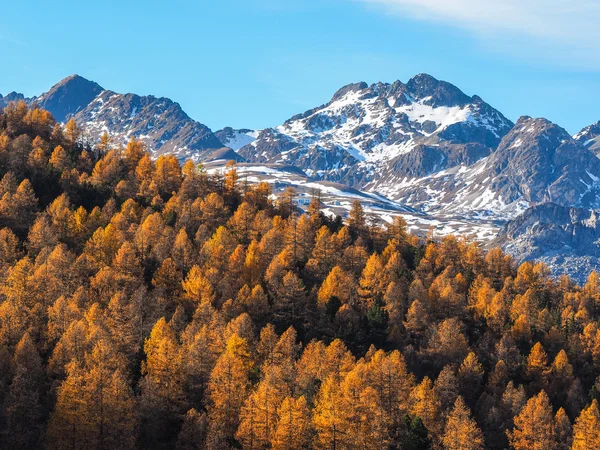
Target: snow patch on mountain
{"type": "Point", "coordinates": [236, 139]}
{"type": "Point", "coordinates": [590, 137]}
{"type": "Point", "coordinates": [443, 116]}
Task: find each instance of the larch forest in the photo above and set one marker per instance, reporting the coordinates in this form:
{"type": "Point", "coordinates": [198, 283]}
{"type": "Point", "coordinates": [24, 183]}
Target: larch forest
{"type": "Point", "coordinates": [149, 304]}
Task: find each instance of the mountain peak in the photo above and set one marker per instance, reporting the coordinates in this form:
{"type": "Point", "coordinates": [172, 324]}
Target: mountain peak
{"type": "Point", "coordinates": [423, 78]}
{"type": "Point", "coordinates": [76, 82]}
{"type": "Point", "coordinates": [539, 126]}
{"type": "Point", "coordinates": [590, 137]}
{"type": "Point", "coordinates": [74, 77]}
{"type": "Point", "coordinates": [68, 96]}
{"type": "Point", "coordinates": [436, 92]}
{"type": "Point", "coordinates": [159, 122]}
{"type": "Point", "coordinates": [523, 119]}
{"type": "Point", "coordinates": [352, 87]}
{"type": "Point", "coordinates": [593, 129]}
{"type": "Point", "coordinates": [382, 131]}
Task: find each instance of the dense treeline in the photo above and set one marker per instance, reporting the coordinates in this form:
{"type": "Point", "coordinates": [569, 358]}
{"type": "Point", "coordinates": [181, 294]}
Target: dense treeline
{"type": "Point", "coordinates": [150, 305]}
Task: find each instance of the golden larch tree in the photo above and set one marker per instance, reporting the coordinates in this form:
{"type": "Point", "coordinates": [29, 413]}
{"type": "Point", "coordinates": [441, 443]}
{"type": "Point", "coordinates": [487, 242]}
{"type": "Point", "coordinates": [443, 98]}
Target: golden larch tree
{"type": "Point", "coordinates": [586, 430]}
{"type": "Point", "coordinates": [228, 386]}
{"type": "Point", "coordinates": [461, 431]}
{"type": "Point", "coordinates": [425, 404]}
{"type": "Point", "coordinates": [534, 426]}
{"type": "Point", "coordinates": [294, 429]}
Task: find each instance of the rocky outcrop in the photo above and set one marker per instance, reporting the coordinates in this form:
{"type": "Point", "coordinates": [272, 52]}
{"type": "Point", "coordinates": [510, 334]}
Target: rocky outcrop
{"type": "Point", "coordinates": [567, 239]}
{"type": "Point", "coordinates": [590, 137]}
{"type": "Point", "coordinates": [68, 97]}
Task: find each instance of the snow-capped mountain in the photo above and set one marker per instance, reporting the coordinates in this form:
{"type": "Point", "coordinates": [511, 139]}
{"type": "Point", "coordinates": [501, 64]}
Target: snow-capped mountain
{"type": "Point", "coordinates": [419, 127]}
{"type": "Point", "coordinates": [590, 137]}
{"type": "Point", "coordinates": [429, 145]}
{"type": "Point", "coordinates": [159, 122]}
{"type": "Point", "coordinates": [536, 162]}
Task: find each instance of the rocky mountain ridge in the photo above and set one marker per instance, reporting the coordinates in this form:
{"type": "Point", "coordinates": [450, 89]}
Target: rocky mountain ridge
{"type": "Point", "coordinates": [590, 137]}
{"type": "Point", "coordinates": [536, 162]}
{"type": "Point", "coordinates": [159, 122]}
{"type": "Point", "coordinates": [567, 239]}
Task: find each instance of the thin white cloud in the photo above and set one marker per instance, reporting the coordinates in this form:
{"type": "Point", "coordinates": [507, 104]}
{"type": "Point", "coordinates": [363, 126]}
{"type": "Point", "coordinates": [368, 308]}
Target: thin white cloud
{"type": "Point", "coordinates": [569, 26]}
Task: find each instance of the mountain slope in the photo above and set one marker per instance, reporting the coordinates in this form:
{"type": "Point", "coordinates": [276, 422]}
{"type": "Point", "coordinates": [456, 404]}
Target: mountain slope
{"type": "Point", "coordinates": [536, 162]}
{"type": "Point", "coordinates": [159, 122]}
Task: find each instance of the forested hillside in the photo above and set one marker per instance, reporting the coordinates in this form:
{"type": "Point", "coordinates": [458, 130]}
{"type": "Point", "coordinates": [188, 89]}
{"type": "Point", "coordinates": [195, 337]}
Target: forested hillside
{"type": "Point", "coordinates": [149, 305]}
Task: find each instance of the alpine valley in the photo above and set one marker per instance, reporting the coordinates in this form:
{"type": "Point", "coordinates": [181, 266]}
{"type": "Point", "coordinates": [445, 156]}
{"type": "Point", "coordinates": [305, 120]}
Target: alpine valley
{"type": "Point", "coordinates": [446, 161]}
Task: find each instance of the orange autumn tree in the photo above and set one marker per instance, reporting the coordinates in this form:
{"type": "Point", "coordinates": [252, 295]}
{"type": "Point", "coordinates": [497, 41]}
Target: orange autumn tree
{"type": "Point", "coordinates": [293, 429]}
{"type": "Point", "coordinates": [586, 430]}
{"type": "Point", "coordinates": [461, 431]}
{"type": "Point", "coordinates": [227, 388]}
{"type": "Point", "coordinates": [534, 426]}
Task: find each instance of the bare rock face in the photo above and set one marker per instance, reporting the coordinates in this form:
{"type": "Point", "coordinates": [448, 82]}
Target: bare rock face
{"type": "Point", "coordinates": [68, 97]}
{"type": "Point", "coordinates": [567, 239]}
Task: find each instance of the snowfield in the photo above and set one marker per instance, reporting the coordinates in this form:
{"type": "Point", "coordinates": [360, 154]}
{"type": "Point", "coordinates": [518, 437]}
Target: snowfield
{"type": "Point", "coordinates": [337, 199]}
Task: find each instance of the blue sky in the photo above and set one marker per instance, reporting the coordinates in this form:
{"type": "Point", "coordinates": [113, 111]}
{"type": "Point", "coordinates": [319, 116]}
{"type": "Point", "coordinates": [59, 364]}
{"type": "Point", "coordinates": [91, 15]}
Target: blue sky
{"type": "Point", "coordinates": [255, 63]}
